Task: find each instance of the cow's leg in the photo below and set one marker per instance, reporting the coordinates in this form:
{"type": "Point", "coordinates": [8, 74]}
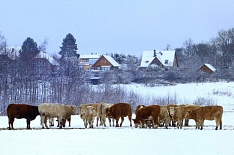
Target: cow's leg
{"type": "Point", "coordinates": [42, 121]}
{"type": "Point", "coordinates": [45, 122]}
{"type": "Point", "coordinates": [10, 122]}
{"type": "Point", "coordinates": [69, 120]}
{"type": "Point", "coordinates": [186, 122]}
{"type": "Point", "coordinates": [220, 123]}
{"type": "Point", "coordinates": [97, 121]}
{"type": "Point", "coordinates": [28, 123]}
{"type": "Point", "coordinates": [117, 122]}
{"type": "Point", "coordinates": [180, 123]}
{"type": "Point", "coordinates": [60, 121]}
{"type": "Point", "coordinates": [85, 123]}
{"type": "Point", "coordinates": [122, 119]}
{"type": "Point", "coordinates": [92, 122]}
{"type": "Point", "coordinates": [201, 124]}
{"type": "Point", "coordinates": [130, 119]}
{"type": "Point", "coordinates": [64, 122]}
{"type": "Point", "coordinates": [103, 120]}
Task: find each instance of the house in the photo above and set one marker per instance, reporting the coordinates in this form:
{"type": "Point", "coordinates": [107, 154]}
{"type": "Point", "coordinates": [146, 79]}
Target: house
{"type": "Point", "coordinates": [87, 60]}
{"type": "Point", "coordinates": [207, 68]}
{"type": "Point", "coordinates": [162, 59]}
{"type": "Point", "coordinates": [44, 65]}
{"type": "Point", "coordinates": [105, 62]}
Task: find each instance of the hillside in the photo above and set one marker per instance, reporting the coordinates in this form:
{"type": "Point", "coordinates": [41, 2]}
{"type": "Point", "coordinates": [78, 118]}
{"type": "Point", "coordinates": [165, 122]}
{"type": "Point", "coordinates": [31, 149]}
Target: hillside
{"type": "Point", "coordinates": [220, 93]}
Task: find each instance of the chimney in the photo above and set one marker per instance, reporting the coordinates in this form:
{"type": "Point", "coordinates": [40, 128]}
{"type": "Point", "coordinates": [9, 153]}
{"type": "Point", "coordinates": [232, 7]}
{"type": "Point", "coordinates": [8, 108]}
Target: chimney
{"type": "Point", "coordinates": [155, 53]}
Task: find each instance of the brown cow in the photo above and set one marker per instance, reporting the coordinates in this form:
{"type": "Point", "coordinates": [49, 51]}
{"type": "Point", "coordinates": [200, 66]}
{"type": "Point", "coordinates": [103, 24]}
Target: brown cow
{"type": "Point", "coordinates": [120, 110]}
{"type": "Point", "coordinates": [150, 112]}
{"type": "Point", "coordinates": [178, 113]}
{"type": "Point", "coordinates": [18, 111]}
{"type": "Point", "coordinates": [149, 123]}
{"type": "Point", "coordinates": [206, 113]}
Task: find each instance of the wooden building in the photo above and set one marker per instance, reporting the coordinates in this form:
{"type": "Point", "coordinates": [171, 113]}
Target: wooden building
{"type": "Point", "coordinates": [104, 63]}
{"type": "Point", "coordinates": [207, 68]}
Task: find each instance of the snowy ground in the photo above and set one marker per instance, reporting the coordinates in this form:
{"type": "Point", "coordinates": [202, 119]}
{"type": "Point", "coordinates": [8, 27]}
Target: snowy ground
{"type": "Point", "coordinates": [128, 140]}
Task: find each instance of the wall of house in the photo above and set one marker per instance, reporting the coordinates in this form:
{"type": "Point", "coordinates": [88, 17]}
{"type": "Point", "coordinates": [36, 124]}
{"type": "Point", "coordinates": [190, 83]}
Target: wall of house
{"type": "Point", "coordinates": [101, 62]}
{"type": "Point", "coordinates": [206, 69]}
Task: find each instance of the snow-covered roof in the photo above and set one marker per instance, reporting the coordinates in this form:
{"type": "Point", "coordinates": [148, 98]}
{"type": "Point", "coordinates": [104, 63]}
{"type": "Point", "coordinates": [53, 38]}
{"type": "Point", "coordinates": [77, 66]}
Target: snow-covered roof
{"type": "Point", "coordinates": [211, 67]}
{"type": "Point", "coordinates": [46, 56]}
{"type": "Point", "coordinates": [112, 61]}
{"type": "Point", "coordinates": [89, 56]}
{"type": "Point", "coordinates": [165, 57]}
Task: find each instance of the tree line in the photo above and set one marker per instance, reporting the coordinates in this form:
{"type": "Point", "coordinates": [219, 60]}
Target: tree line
{"type": "Point", "coordinates": [20, 82]}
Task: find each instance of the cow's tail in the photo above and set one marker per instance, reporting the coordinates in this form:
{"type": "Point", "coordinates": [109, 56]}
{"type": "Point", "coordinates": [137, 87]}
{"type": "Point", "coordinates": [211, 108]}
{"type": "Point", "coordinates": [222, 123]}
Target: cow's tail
{"type": "Point", "coordinates": [101, 108]}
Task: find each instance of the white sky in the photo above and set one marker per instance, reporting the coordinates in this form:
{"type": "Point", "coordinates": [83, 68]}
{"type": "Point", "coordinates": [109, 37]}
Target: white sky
{"type": "Point", "coordinates": [106, 26]}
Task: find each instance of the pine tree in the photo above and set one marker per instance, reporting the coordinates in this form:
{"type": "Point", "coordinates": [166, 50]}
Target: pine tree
{"type": "Point", "coordinates": [29, 49]}
{"type": "Point", "coordinates": [69, 47]}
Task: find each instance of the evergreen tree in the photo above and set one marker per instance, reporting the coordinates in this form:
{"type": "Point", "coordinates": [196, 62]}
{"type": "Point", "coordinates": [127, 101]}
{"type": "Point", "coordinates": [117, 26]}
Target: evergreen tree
{"type": "Point", "coordinates": [69, 47]}
{"type": "Point", "coordinates": [29, 49]}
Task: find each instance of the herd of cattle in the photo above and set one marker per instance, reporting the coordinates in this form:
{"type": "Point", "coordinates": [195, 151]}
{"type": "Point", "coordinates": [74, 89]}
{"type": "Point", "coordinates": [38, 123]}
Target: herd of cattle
{"type": "Point", "coordinates": [151, 116]}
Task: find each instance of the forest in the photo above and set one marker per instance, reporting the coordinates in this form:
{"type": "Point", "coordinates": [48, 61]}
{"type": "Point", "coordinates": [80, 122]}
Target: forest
{"type": "Point", "coordinates": [25, 80]}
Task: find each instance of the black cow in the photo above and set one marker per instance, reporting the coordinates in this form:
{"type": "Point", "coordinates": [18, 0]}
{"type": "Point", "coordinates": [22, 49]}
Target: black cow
{"type": "Point", "coordinates": [18, 111]}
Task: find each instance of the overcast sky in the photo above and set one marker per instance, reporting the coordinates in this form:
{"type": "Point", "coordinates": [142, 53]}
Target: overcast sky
{"type": "Point", "coordinates": [107, 26]}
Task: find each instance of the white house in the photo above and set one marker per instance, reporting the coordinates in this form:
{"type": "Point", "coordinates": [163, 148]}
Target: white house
{"type": "Point", "coordinates": [160, 58]}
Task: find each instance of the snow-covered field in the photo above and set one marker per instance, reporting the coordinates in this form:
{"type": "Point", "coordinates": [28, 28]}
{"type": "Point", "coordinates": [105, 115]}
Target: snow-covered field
{"type": "Point", "coordinates": [128, 140]}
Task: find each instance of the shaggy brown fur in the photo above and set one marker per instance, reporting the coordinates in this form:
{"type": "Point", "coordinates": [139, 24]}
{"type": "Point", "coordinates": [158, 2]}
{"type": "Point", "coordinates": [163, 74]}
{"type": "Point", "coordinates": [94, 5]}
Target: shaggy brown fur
{"type": "Point", "coordinates": [206, 113]}
{"type": "Point", "coordinates": [120, 110]}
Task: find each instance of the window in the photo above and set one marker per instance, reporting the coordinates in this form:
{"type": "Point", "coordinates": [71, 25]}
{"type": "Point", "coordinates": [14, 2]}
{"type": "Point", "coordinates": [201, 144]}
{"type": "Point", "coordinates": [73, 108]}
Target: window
{"type": "Point", "coordinates": [105, 68]}
{"type": "Point", "coordinates": [147, 61]}
{"type": "Point", "coordinates": [98, 68]}
{"type": "Point", "coordinates": [166, 62]}
{"type": "Point", "coordinates": [85, 60]}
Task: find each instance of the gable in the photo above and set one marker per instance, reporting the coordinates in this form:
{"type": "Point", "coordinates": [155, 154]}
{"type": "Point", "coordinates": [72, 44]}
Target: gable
{"type": "Point", "coordinates": [207, 68]}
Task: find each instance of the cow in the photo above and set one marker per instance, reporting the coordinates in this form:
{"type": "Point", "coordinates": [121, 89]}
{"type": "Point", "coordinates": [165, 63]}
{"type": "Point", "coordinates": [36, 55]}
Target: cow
{"type": "Point", "coordinates": [150, 112]}
{"type": "Point", "coordinates": [169, 106]}
{"type": "Point", "coordinates": [101, 113]}
{"type": "Point", "coordinates": [60, 111]}
{"type": "Point", "coordinates": [90, 113]}
{"type": "Point", "coordinates": [120, 110]}
{"type": "Point", "coordinates": [148, 123]}
{"type": "Point", "coordinates": [206, 113]}
{"type": "Point", "coordinates": [82, 109]}
{"type": "Point", "coordinates": [164, 117]}
{"type": "Point", "coordinates": [178, 113]}
{"type": "Point", "coordinates": [29, 112]}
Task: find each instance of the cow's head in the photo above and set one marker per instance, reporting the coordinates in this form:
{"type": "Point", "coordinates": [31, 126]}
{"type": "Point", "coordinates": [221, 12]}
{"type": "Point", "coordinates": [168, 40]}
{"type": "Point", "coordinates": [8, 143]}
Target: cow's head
{"type": "Point", "coordinates": [172, 111]}
{"type": "Point", "coordinates": [89, 110]}
{"type": "Point", "coordinates": [136, 122]}
{"type": "Point", "coordinates": [74, 110]}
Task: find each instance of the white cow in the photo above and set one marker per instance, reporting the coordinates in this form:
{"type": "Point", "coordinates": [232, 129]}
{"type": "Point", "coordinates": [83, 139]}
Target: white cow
{"type": "Point", "coordinates": [82, 111]}
{"type": "Point", "coordinates": [101, 113]}
{"type": "Point", "coordinates": [90, 114]}
{"type": "Point", "coordinates": [60, 111]}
